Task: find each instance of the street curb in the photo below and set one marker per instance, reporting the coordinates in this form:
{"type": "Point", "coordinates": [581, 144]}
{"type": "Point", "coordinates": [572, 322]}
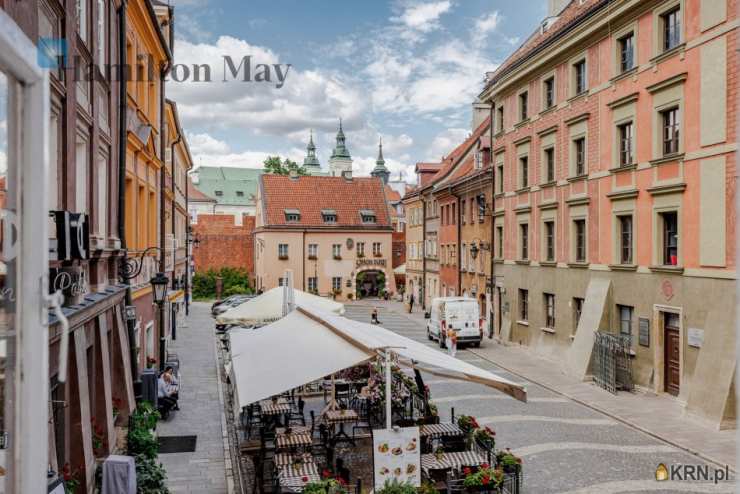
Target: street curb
{"type": "Point", "coordinates": [228, 460]}
{"type": "Point", "coordinates": [609, 414]}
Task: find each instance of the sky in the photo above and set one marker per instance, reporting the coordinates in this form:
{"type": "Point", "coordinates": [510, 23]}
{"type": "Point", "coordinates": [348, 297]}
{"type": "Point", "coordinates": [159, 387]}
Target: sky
{"type": "Point", "coordinates": [406, 70]}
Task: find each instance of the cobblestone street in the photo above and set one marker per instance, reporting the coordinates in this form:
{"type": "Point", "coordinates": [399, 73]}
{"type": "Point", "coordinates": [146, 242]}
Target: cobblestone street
{"type": "Point", "coordinates": [565, 446]}
{"type": "Point", "coordinates": [201, 410]}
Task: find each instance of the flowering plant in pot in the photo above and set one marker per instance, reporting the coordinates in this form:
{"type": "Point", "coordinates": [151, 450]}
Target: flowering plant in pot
{"type": "Point", "coordinates": [484, 478]}
{"type": "Point", "coordinates": [467, 423]}
{"type": "Point", "coordinates": [486, 437]}
{"type": "Point", "coordinates": [509, 461]}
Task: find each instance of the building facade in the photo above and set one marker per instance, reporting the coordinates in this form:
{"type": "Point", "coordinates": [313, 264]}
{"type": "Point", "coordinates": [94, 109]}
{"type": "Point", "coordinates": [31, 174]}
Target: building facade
{"type": "Point", "coordinates": [334, 233]}
{"type": "Point", "coordinates": [614, 153]}
{"type": "Point", "coordinates": [222, 243]}
{"type": "Point", "coordinates": [414, 213]}
{"type": "Point", "coordinates": [233, 189]}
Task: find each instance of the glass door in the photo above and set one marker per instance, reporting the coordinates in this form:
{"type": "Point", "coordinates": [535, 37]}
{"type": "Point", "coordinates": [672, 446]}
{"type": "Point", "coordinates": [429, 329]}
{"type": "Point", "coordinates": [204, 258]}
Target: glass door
{"type": "Point", "coordinates": [24, 362]}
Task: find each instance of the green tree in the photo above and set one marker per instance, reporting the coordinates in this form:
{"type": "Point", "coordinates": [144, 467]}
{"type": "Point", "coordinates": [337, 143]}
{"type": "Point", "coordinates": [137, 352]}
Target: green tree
{"type": "Point", "coordinates": [274, 165]}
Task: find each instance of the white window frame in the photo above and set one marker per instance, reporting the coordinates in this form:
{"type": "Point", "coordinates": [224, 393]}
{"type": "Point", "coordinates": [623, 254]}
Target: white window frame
{"type": "Point", "coordinates": [30, 441]}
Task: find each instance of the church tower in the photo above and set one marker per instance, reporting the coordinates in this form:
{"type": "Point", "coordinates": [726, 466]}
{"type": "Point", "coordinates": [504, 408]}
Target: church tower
{"type": "Point", "coordinates": [311, 162]}
{"type": "Point", "coordinates": [380, 169]}
{"type": "Point", "coordinates": [340, 160]}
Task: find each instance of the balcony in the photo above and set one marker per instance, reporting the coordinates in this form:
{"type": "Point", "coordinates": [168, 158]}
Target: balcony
{"type": "Point", "coordinates": [283, 257]}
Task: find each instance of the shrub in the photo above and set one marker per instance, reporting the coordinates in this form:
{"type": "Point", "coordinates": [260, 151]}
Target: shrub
{"type": "Point", "coordinates": [235, 281]}
{"type": "Point", "coordinates": [393, 486]}
{"type": "Point", "coordinates": [150, 476]}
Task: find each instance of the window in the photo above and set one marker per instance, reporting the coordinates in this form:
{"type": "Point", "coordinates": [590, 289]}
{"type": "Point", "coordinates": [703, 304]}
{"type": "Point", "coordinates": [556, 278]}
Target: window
{"type": "Point", "coordinates": [368, 216]}
{"type": "Point", "coordinates": [464, 253]}
{"type": "Point", "coordinates": [523, 305]}
{"type": "Point", "coordinates": [500, 174]}
{"type": "Point", "coordinates": [102, 21]}
{"type": "Point", "coordinates": [549, 240]}
{"type": "Point", "coordinates": [336, 251]}
{"type": "Point", "coordinates": [462, 211]}
{"type": "Point", "coordinates": [360, 249]}
{"type": "Point", "coordinates": [481, 208]}
{"type": "Point", "coordinates": [627, 52]}
{"type": "Point", "coordinates": [454, 214]}
{"type": "Point", "coordinates": [579, 74]}
{"type": "Point", "coordinates": [102, 212]}
{"type": "Point", "coordinates": [580, 240]}
{"type": "Point", "coordinates": [670, 238]}
{"type": "Point", "coordinates": [625, 239]}
{"type": "Point", "coordinates": [219, 193]}
{"type": "Point", "coordinates": [671, 23]}
{"type": "Point", "coordinates": [81, 175]}
{"type": "Point", "coordinates": [550, 164]}
{"type": "Point", "coordinates": [82, 11]}
{"type": "Point", "coordinates": [550, 311]}
{"type": "Point", "coordinates": [577, 311]}
{"type": "Point", "coordinates": [292, 215]}
{"type": "Point", "coordinates": [524, 234]}
{"type": "Point", "coordinates": [500, 241]}
{"type": "Point", "coordinates": [282, 251]}
{"type": "Point", "coordinates": [313, 285]}
{"type": "Point", "coordinates": [625, 322]}
{"type": "Point", "coordinates": [625, 133]}
{"type": "Point", "coordinates": [478, 160]}
{"type": "Point", "coordinates": [239, 193]}
{"type": "Point", "coordinates": [549, 88]}
{"type": "Point", "coordinates": [579, 147]}
{"type": "Point", "coordinates": [500, 118]}
{"type": "Point", "coordinates": [671, 125]}
{"type": "Point", "coordinates": [336, 283]}
{"type": "Point", "coordinates": [377, 249]}
{"type": "Point", "coordinates": [281, 281]}
{"type": "Point", "coordinates": [523, 105]}
{"type": "Point", "coordinates": [329, 216]}
{"type": "Point", "coordinates": [524, 171]}
{"type": "Point", "coordinates": [313, 251]}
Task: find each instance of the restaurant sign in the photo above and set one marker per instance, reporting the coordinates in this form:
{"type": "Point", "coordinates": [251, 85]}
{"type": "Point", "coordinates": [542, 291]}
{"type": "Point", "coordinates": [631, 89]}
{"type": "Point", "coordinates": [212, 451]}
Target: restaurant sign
{"type": "Point", "coordinates": [72, 240]}
{"type": "Point", "coordinates": [396, 456]}
{"type": "Point", "coordinates": [370, 262]}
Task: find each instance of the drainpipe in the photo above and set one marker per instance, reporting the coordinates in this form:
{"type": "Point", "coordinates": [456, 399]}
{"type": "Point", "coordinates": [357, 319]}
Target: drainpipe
{"type": "Point", "coordinates": [124, 74]}
{"type": "Point", "coordinates": [162, 145]}
{"type": "Point", "coordinates": [492, 250]}
{"type": "Point", "coordinates": [172, 160]}
{"type": "Point", "coordinates": [459, 239]}
{"type": "Point", "coordinates": [423, 253]}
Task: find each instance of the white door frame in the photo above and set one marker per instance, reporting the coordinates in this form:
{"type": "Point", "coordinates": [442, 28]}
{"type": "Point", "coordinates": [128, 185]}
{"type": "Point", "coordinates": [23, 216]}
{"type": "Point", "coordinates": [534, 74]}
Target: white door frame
{"type": "Point", "coordinates": [29, 143]}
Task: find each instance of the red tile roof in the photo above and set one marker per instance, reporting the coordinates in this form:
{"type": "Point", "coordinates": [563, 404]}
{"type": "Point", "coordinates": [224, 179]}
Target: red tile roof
{"type": "Point", "coordinates": [312, 194]}
{"type": "Point", "coordinates": [195, 195]}
{"type": "Point", "coordinates": [391, 195]}
{"type": "Point", "coordinates": [570, 16]}
{"type": "Point", "coordinates": [453, 158]}
{"type": "Point", "coordinates": [427, 167]}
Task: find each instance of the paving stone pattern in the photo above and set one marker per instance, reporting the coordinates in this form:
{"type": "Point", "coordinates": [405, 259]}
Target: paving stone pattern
{"type": "Point", "coordinates": [566, 447]}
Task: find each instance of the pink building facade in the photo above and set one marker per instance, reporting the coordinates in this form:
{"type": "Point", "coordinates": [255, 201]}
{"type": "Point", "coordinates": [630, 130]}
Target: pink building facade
{"type": "Point", "coordinates": [614, 145]}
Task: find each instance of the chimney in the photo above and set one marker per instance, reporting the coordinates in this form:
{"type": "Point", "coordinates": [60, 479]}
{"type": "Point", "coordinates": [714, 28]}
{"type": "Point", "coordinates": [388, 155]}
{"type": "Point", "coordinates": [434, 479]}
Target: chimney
{"type": "Point", "coordinates": [347, 174]}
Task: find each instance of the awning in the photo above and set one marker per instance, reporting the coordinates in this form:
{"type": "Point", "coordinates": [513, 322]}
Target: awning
{"type": "Point", "coordinates": [310, 343]}
{"type": "Point", "coordinates": [268, 307]}
{"type": "Point", "coordinates": [400, 269]}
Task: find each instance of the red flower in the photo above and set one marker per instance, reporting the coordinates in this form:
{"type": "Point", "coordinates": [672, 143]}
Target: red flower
{"type": "Point", "coordinates": [485, 480]}
{"type": "Point", "coordinates": [485, 466]}
{"type": "Point", "coordinates": [304, 479]}
{"type": "Point", "coordinates": [326, 474]}
{"type": "Point", "coordinates": [467, 471]}
{"type": "Point", "coordinates": [341, 481]}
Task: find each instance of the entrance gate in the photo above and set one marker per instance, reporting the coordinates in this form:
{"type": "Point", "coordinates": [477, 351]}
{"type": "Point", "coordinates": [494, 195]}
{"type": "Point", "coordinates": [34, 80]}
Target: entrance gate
{"type": "Point", "coordinates": [612, 362]}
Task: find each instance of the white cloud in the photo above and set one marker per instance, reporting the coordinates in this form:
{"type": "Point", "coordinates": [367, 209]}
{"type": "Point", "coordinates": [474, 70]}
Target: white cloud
{"type": "Point", "coordinates": [423, 17]}
{"type": "Point", "coordinates": [484, 26]}
{"type": "Point", "coordinates": [445, 142]}
{"type": "Point", "coordinates": [205, 144]}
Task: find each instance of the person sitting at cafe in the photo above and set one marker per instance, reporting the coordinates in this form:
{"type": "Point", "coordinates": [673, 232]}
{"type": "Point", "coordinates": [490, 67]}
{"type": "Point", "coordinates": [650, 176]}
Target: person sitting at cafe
{"type": "Point", "coordinates": [166, 393]}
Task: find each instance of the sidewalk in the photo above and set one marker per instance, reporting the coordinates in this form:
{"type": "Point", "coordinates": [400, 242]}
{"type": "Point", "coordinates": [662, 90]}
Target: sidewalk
{"type": "Point", "coordinates": [659, 416]}
{"type": "Point", "coordinates": [201, 410]}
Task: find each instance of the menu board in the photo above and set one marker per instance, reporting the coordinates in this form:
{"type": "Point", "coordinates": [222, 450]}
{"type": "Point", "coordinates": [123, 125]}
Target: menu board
{"type": "Point", "coordinates": [396, 456]}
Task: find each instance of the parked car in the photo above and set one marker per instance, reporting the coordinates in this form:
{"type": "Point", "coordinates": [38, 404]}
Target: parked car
{"type": "Point", "coordinates": [459, 314]}
{"type": "Point", "coordinates": [219, 307]}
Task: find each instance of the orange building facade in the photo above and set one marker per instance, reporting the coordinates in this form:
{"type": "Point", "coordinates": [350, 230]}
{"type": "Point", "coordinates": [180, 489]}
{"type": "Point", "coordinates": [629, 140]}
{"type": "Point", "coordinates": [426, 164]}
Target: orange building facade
{"type": "Point", "coordinates": [614, 143]}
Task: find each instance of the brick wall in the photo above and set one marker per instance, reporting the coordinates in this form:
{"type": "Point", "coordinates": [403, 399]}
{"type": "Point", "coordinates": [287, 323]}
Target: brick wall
{"type": "Point", "coordinates": [222, 243]}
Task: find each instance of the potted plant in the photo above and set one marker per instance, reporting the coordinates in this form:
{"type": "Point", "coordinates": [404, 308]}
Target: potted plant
{"type": "Point", "coordinates": [509, 461]}
{"type": "Point", "coordinates": [393, 486]}
{"type": "Point", "coordinates": [325, 486]}
{"type": "Point", "coordinates": [484, 479]}
{"type": "Point", "coordinates": [467, 423]}
{"type": "Point", "coordinates": [486, 437]}
{"type": "Point", "coordinates": [439, 453]}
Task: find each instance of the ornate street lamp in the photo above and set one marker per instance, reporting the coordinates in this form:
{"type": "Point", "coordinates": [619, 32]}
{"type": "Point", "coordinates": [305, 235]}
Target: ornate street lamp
{"type": "Point", "coordinates": [474, 251]}
{"type": "Point", "coordinates": [159, 285]}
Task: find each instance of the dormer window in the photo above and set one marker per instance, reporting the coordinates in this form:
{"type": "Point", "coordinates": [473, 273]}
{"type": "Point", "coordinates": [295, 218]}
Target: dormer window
{"type": "Point", "coordinates": [367, 216]}
{"type": "Point", "coordinates": [479, 160]}
{"type": "Point", "coordinates": [239, 193]}
{"type": "Point", "coordinates": [219, 193]}
{"type": "Point", "coordinates": [329, 215]}
{"type": "Point", "coordinates": [292, 215]}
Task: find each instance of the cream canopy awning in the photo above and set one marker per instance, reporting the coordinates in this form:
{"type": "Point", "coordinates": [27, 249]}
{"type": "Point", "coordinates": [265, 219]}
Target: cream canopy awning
{"type": "Point", "coordinates": [311, 343]}
{"type": "Point", "coordinates": [268, 307]}
{"type": "Point", "coordinates": [400, 269]}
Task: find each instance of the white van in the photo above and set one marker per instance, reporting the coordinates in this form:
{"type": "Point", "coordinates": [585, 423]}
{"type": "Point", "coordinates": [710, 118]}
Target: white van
{"type": "Point", "coordinates": [459, 314]}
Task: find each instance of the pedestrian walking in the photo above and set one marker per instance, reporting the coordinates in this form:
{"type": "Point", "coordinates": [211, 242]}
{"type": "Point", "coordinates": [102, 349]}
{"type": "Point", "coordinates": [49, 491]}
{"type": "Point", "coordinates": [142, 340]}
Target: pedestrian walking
{"type": "Point", "coordinates": [452, 342]}
{"type": "Point", "coordinates": [374, 316]}
{"type": "Point", "coordinates": [411, 303]}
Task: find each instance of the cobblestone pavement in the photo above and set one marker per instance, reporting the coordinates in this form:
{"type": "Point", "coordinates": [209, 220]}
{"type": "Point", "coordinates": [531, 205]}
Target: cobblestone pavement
{"type": "Point", "coordinates": [566, 447]}
{"type": "Point", "coordinates": [200, 414]}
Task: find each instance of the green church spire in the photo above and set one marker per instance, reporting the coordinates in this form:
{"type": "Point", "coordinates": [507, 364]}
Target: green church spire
{"type": "Point", "coordinates": [340, 151]}
{"type": "Point", "coordinates": [380, 169]}
{"type": "Point", "coordinates": [311, 160]}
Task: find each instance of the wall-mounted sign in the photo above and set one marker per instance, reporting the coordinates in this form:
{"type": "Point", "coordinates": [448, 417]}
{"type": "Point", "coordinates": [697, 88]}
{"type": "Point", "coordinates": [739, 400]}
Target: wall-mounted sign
{"type": "Point", "coordinates": [370, 262]}
{"type": "Point", "coordinates": [71, 281]}
{"type": "Point", "coordinates": [72, 236]}
{"type": "Point", "coordinates": [350, 244]}
{"type": "Point", "coordinates": [644, 331]}
{"type": "Point", "coordinates": [695, 337]}
{"type": "Point", "coordinates": [667, 289]}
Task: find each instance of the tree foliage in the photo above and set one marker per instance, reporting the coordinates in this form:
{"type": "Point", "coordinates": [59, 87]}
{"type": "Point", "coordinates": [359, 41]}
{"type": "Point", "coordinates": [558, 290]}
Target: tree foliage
{"type": "Point", "coordinates": [274, 165]}
{"type": "Point", "coordinates": [236, 281]}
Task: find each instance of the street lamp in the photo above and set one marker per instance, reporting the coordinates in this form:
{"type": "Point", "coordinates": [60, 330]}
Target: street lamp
{"type": "Point", "coordinates": [159, 288]}
{"type": "Point", "coordinates": [474, 251]}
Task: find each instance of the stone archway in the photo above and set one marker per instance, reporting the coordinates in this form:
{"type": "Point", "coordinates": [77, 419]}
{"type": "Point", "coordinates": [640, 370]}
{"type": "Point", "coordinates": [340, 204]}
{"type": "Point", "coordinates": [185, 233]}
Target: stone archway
{"type": "Point", "coordinates": [370, 283]}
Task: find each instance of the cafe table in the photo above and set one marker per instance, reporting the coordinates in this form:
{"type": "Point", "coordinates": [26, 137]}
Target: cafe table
{"type": "Point", "coordinates": [295, 478]}
{"type": "Point", "coordinates": [339, 418]}
{"type": "Point", "coordinates": [451, 460]}
{"type": "Point", "coordinates": [433, 431]}
{"type": "Point", "coordinates": [299, 436]}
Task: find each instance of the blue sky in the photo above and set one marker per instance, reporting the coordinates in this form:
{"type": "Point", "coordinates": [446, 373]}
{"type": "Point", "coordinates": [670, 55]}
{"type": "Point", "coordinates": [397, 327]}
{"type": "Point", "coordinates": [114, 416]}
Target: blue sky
{"type": "Point", "coordinates": [406, 70]}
